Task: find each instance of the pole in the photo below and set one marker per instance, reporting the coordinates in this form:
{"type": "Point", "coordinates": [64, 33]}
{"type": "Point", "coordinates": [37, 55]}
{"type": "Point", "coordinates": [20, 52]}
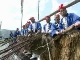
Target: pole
{"type": "Point", "coordinates": [68, 5]}
{"type": "Point", "coordinates": [21, 21]}
{"type": "Point", "coordinates": [21, 12]}
{"type": "Point", "coordinates": [38, 8]}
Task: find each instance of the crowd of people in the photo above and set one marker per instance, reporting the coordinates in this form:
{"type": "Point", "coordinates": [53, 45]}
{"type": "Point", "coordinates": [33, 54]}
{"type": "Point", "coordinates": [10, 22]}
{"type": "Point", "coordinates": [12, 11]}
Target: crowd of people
{"type": "Point", "coordinates": [52, 29]}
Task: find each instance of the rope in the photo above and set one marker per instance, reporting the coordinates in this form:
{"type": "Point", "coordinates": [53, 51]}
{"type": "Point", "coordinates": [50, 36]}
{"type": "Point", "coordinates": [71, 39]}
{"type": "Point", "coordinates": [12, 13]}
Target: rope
{"type": "Point", "coordinates": [48, 48]}
{"type": "Point", "coordinates": [48, 43]}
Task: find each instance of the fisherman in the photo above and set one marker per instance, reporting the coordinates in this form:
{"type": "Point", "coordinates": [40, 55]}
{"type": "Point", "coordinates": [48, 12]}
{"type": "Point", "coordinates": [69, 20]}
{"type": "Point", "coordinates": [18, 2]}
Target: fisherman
{"type": "Point", "coordinates": [35, 27]}
{"type": "Point", "coordinates": [47, 37]}
{"type": "Point", "coordinates": [24, 31]}
{"type": "Point", "coordinates": [47, 26]}
{"type": "Point", "coordinates": [68, 19]}
{"type": "Point", "coordinates": [27, 24]}
{"type": "Point", "coordinates": [57, 26]}
{"type": "Point", "coordinates": [16, 33]}
{"type": "Point", "coordinates": [47, 29]}
{"type": "Point", "coordinates": [11, 34]}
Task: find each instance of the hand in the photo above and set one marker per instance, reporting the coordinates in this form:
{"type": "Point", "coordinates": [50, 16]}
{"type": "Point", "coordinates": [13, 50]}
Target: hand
{"type": "Point", "coordinates": [62, 31]}
{"type": "Point", "coordinates": [46, 34]}
{"type": "Point", "coordinates": [29, 35]}
{"type": "Point", "coordinates": [77, 24]}
{"type": "Point", "coordinates": [59, 33]}
{"type": "Point", "coordinates": [38, 31]}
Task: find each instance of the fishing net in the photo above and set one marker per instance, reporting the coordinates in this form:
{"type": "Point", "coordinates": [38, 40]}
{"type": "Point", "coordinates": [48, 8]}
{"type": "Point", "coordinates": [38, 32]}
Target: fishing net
{"type": "Point", "coordinates": [64, 47]}
{"type": "Point", "coordinates": [33, 42]}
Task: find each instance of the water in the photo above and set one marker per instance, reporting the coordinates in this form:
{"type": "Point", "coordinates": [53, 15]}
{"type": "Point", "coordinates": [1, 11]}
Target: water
{"type": "Point", "coordinates": [13, 57]}
{"type": "Point", "coordinates": [4, 46]}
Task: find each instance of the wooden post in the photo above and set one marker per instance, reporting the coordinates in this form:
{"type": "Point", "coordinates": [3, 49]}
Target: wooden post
{"type": "Point", "coordinates": [68, 5]}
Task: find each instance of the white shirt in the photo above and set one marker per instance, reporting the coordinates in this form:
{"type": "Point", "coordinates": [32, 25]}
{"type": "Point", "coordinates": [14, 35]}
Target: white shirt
{"type": "Point", "coordinates": [57, 26]}
{"type": "Point", "coordinates": [65, 22]}
{"type": "Point", "coordinates": [33, 26]}
{"type": "Point", "coordinates": [47, 30]}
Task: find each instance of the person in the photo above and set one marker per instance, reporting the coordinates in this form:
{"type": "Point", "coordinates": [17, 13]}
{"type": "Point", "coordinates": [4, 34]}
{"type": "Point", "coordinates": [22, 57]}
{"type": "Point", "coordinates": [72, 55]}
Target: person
{"type": "Point", "coordinates": [27, 24]}
{"type": "Point", "coordinates": [11, 34]}
{"type": "Point", "coordinates": [68, 19]}
{"type": "Point", "coordinates": [57, 26]}
{"type": "Point", "coordinates": [47, 26]}
{"type": "Point", "coordinates": [16, 33]}
{"type": "Point", "coordinates": [47, 30]}
{"type": "Point", "coordinates": [34, 27]}
{"type": "Point", "coordinates": [24, 30]}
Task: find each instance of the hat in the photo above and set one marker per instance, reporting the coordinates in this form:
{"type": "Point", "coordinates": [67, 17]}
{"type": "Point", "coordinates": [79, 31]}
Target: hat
{"type": "Point", "coordinates": [28, 22]}
{"type": "Point", "coordinates": [32, 18]}
{"type": "Point", "coordinates": [47, 17]}
{"type": "Point", "coordinates": [61, 7]}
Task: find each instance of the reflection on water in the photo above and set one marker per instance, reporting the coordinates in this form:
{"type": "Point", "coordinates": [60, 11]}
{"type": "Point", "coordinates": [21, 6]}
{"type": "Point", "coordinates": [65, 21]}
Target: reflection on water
{"type": "Point", "coordinates": [4, 46]}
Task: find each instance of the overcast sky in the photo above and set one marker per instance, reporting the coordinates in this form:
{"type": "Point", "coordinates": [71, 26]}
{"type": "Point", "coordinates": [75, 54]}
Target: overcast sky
{"type": "Point", "coordinates": [10, 11]}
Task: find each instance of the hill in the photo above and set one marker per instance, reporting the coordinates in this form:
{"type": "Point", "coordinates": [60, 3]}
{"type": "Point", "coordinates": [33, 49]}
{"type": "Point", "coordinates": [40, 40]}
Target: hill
{"type": "Point", "coordinates": [5, 33]}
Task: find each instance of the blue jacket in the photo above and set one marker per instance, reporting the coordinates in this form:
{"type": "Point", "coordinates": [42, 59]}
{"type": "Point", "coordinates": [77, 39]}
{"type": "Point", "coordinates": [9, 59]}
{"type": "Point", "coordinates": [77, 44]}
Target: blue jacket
{"type": "Point", "coordinates": [44, 27]}
{"type": "Point", "coordinates": [38, 27]}
{"type": "Point", "coordinates": [11, 35]}
{"type": "Point", "coordinates": [71, 19]}
{"type": "Point", "coordinates": [24, 31]}
{"type": "Point", "coordinates": [56, 28]}
{"type": "Point", "coordinates": [17, 33]}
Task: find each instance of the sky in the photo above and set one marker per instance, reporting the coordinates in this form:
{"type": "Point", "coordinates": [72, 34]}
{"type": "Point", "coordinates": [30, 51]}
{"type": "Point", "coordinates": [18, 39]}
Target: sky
{"type": "Point", "coordinates": [10, 11]}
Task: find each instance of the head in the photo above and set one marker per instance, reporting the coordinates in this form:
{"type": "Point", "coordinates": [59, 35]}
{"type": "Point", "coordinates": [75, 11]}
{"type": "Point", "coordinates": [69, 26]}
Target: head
{"type": "Point", "coordinates": [57, 18]}
{"type": "Point", "coordinates": [47, 18]}
{"type": "Point", "coordinates": [27, 24]}
{"type": "Point", "coordinates": [62, 10]}
{"type": "Point", "coordinates": [17, 29]}
{"type": "Point", "coordinates": [23, 26]}
{"type": "Point", "coordinates": [32, 19]}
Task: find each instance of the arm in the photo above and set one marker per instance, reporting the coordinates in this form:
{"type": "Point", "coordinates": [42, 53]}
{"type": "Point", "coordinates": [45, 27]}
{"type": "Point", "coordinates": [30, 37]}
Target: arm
{"type": "Point", "coordinates": [19, 32]}
{"type": "Point", "coordinates": [14, 34]}
{"type": "Point", "coordinates": [39, 27]}
{"type": "Point", "coordinates": [44, 29]}
{"type": "Point", "coordinates": [53, 28]}
{"type": "Point", "coordinates": [76, 20]}
{"type": "Point", "coordinates": [30, 28]}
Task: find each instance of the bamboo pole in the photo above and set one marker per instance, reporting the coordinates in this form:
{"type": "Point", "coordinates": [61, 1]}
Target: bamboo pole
{"type": "Point", "coordinates": [68, 5]}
